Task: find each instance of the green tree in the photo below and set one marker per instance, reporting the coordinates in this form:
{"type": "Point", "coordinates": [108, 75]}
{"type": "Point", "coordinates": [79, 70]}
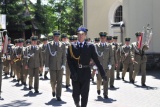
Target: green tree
{"type": "Point", "coordinates": [68, 14]}
{"type": "Point", "coordinates": [16, 15]}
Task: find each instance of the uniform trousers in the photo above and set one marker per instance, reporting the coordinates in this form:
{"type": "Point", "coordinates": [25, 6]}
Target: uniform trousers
{"type": "Point", "coordinates": [56, 81]}
{"type": "Point", "coordinates": [105, 83]}
{"type": "Point", "coordinates": [34, 72]}
{"type": "Point", "coordinates": [125, 68]}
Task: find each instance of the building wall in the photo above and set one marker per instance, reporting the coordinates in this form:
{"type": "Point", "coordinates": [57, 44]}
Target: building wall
{"type": "Point", "coordinates": [139, 13]}
{"type": "Point", "coordinates": [97, 16]}
{"type": "Point", "coordinates": [136, 13]}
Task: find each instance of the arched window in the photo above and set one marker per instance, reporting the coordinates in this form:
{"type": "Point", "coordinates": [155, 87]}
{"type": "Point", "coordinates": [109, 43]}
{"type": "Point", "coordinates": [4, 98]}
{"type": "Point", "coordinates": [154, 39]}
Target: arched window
{"type": "Point", "coordinates": [118, 14]}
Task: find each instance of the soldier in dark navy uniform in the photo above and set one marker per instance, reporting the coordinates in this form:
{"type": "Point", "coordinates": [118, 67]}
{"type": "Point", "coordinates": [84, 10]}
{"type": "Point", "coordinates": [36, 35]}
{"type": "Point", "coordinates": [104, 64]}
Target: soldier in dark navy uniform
{"type": "Point", "coordinates": [79, 55]}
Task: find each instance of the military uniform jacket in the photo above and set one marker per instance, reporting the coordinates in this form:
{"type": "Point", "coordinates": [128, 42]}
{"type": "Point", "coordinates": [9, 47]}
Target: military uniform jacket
{"type": "Point", "coordinates": [105, 54]}
{"type": "Point", "coordinates": [86, 54]}
{"type": "Point", "coordinates": [139, 54]}
{"type": "Point", "coordinates": [25, 55]}
{"type": "Point", "coordinates": [20, 52]}
{"type": "Point", "coordinates": [14, 52]}
{"type": "Point", "coordinates": [9, 51]}
{"type": "Point", "coordinates": [35, 57]}
{"type": "Point", "coordinates": [114, 50]}
{"type": "Point", "coordinates": [55, 56]}
{"type": "Point", "coordinates": [43, 49]}
{"type": "Point", "coordinates": [127, 50]}
{"type": "Point", "coordinates": [118, 50]}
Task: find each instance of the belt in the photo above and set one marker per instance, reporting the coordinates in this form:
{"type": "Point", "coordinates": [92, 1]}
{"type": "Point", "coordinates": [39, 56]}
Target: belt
{"type": "Point", "coordinates": [83, 66]}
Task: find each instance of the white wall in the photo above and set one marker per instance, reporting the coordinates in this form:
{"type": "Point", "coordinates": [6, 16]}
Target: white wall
{"type": "Point", "coordinates": [97, 16]}
{"type": "Point", "coordinates": [139, 13]}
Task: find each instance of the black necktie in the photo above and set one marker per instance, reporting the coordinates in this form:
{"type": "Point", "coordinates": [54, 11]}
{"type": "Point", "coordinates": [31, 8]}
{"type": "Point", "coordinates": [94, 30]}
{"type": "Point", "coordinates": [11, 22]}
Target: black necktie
{"type": "Point", "coordinates": [80, 47]}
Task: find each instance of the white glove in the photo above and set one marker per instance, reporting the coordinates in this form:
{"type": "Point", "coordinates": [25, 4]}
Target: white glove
{"type": "Point", "coordinates": [63, 67]}
{"type": "Point", "coordinates": [95, 67]}
{"type": "Point", "coordinates": [46, 68]}
{"type": "Point", "coordinates": [109, 67]}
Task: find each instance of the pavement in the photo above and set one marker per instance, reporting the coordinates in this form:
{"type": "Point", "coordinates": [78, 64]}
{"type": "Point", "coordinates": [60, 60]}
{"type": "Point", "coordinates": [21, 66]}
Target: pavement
{"type": "Point", "coordinates": [124, 95]}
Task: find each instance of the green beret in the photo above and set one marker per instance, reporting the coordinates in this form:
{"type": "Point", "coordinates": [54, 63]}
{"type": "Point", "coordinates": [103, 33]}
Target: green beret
{"type": "Point", "coordinates": [56, 33]}
{"type": "Point", "coordinates": [103, 34]}
{"type": "Point", "coordinates": [115, 37]}
{"type": "Point", "coordinates": [9, 38]}
{"type": "Point", "coordinates": [127, 39]}
{"type": "Point", "coordinates": [64, 35]}
{"type": "Point", "coordinates": [71, 38]}
{"type": "Point", "coordinates": [75, 37]}
{"type": "Point", "coordinates": [96, 39]}
{"type": "Point", "coordinates": [138, 33]}
{"type": "Point", "coordinates": [87, 39]}
{"type": "Point", "coordinates": [33, 38]}
{"type": "Point", "coordinates": [21, 40]}
{"type": "Point", "coordinates": [44, 39]}
{"type": "Point", "coordinates": [28, 41]}
{"type": "Point", "coordinates": [109, 37]}
{"type": "Point", "coordinates": [16, 41]}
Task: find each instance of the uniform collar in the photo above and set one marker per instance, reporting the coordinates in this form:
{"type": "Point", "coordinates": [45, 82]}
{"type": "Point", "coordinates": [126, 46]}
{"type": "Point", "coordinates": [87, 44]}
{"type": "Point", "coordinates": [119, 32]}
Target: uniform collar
{"type": "Point", "coordinates": [81, 42]}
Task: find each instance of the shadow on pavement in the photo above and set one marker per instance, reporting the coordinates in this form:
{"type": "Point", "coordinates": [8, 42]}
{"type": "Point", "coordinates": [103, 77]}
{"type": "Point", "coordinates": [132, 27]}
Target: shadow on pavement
{"type": "Point", "coordinates": [54, 103]}
{"type": "Point", "coordinates": [155, 74]}
{"type": "Point", "coordinates": [68, 90]}
{"type": "Point", "coordinates": [25, 88]}
{"type": "Point", "coordinates": [41, 78]}
{"type": "Point", "coordinates": [31, 94]}
{"type": "Point", "coordinates": [5, 77]}
{"type": "Point", "coordinates": [93, 83]}
{"type": "Point", "coordinates": [16, 103]}
{"type": "Point", "coordinates": [109, 100]}
{"type": "Point", "coordinates": [18, 85]}
{"type": "Point", "coordinates": [114, 89]}
{"type": "Point", "coordinates": [146, 87]}
{"type": "Point", "coordinates": [14, 80]}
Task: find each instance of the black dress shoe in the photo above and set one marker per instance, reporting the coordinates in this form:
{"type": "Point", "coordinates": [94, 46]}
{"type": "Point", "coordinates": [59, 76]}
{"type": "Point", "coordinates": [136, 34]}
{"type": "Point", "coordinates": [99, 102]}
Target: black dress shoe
{"type": "Point", "coordinates": [92, 79]}
{"type": "Point", "coordinates": [77, 105]}
{"type": "Point", "coordinates": [67, 86]}
{"type": "Point", "coordinates": [53, 94]}
{"type": "Point", "coordinates": [132, 81]}
{"type": "Point", "coordinates": [118, 78]}
{"type": "Point", "coordinates": [24, 83]}
{"type": "Point", "coordinates": [98, 92]}
{"type": "Point", "coordinates": [30, 87]}
{"type": "Point", "coordinates": [40, 74]}
{"type": "Point", "coordinates": [105, 96]}
{"type": "Point", "coordinates": [144, 85]}
{"type": "Point", "coordinates": [6, 74]}
{"type": "Point", "coordinates": [45, 77]}
{"type": "Point", "coordinates": [18, 81]}
{"type": "Point", "coordinates": [36, 91]}
{"type": "Point", "coordinates": [112, 86]}
{"type": "Point", "coordinates": [59, 99]}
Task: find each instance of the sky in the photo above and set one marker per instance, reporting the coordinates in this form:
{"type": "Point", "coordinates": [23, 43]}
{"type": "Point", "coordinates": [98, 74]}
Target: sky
{"type": "Point", "coordinates": [34, 1]}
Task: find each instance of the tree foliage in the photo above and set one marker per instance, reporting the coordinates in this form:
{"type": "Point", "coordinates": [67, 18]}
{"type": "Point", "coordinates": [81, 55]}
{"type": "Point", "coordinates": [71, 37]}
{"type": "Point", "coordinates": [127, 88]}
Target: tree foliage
{"type": "Point", "coordinates": [16, 14]}
{"type": "Point", "coordinates": [65, 15]}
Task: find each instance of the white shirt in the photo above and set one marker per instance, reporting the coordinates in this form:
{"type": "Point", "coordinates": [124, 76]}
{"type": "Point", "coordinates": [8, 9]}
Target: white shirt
{"type": "Point", "coordinates": [79, 43]}
{"type": "Point", "coordinates": [103, 44]}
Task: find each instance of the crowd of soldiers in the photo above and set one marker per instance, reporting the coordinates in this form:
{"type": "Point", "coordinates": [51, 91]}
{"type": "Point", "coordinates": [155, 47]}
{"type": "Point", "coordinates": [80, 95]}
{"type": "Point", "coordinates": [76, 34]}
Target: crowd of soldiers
{"type": "Point", "coordinates": [30, 59]}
